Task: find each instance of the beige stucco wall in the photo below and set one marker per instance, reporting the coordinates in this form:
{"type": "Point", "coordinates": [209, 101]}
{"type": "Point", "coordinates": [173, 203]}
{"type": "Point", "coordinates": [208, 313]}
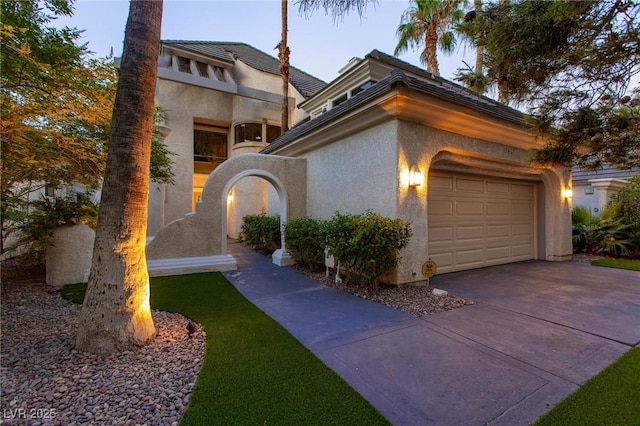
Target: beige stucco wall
{"type": "Point", "coordinates": [203, 233]}
{"type": "Point", "coordinates": [182, 103]}
{"type": "Point", "coordinates": [250, 77]}
{"type": "Point", "coordinates": [354, 174]}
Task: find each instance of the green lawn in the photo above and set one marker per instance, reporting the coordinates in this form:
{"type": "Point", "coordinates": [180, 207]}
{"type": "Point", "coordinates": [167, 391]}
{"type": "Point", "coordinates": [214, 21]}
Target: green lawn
{"type": "Point", "coordinates": [633, 265]}
{"type": "Point", "coordinates": [610, 398]}
{"type": "Point", "coordinates": [254, 371]}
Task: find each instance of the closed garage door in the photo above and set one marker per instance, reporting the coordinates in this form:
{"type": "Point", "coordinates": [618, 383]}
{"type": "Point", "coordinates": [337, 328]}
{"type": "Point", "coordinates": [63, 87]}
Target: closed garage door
{"type": "Point", "coordinates": [477, 221]}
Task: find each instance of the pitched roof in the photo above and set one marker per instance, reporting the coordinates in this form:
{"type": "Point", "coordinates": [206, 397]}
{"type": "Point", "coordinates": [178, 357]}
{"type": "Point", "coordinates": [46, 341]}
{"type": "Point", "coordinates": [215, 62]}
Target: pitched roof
{"type": "Point", "coordinates": [305, 83]}
{"type": "Point", "coordinates": [445, 89]}
{"type": "Point", "coordinates": [427, 84]}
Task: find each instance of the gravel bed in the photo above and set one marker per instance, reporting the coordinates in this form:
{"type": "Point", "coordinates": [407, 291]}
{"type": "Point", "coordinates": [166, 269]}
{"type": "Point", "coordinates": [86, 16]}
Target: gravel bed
{"type": "Point", "coordinates": [414, 300]}
{"type": "Point", "coordinates": [45, 380]}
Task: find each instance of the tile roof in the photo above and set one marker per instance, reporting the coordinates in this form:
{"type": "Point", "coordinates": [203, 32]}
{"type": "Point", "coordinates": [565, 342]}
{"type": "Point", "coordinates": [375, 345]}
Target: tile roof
{"type": "Point", "coordinates": [445, 89]}
{"type": "Point", "coordinates": [305, 83]}
{"type": "Point", "coordinates": [427, 83]}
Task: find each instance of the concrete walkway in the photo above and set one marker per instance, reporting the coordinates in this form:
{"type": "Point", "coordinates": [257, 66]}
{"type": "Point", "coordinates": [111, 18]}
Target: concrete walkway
{"type": "Point", "coordinates": [537, 332]}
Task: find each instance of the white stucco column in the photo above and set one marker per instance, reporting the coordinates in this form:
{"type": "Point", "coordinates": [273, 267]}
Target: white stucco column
{"type": "Point", "coordinates": [605, 188]}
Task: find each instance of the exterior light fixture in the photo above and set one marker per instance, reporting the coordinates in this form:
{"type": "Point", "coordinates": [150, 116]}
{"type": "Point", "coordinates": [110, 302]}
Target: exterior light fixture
{"type": "Point", "coordinates": [229, 198]}
{"type": "Point", "coordinates": [567, 193]}
{"type": "Point", "coordinates": [415, 176]}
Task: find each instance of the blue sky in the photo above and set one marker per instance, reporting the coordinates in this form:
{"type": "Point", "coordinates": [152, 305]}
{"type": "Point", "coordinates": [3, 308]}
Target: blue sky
{"type": "Point", "coordinates": [318, 45]}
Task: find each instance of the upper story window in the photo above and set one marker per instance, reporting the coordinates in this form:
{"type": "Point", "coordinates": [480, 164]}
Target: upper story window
{"type": "Point", "coordinates": [256, 132]}
{"type": "Point", "coordinates": [209, 147]}
{"type": "Point", "coordinates": [184, 64]}
{"type": "Point", "coordinates": [202, 69]}
{"type": "Point", "coordinates": [362, 87]}
{"type": "Point", "coordinates": [339, 100]}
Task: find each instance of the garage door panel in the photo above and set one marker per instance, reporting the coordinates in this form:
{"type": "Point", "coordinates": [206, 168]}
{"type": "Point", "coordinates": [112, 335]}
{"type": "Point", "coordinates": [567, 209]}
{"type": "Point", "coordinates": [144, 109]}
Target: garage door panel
{"type": "Point", "coordinates": [468, 208]}
{"type": "Point", "coordinates": [479, 221]}
{"type": "Point", "coordinates": [494, 209]}
{"type": "Point", "coordinates": [441, 183]}
{"type": "Point", "coordinates": [469, 257]}
{"type": "Point", "coordinates": [520, 251]}
{"type": "Point", "coordinates": [498, 253]}
{"type": "Point", "coordinates": [441, 233]}
{"type": "Point", "coordinates": [523, 229]}
{"type": "Point", "coordinates": [522, 208]}
{"type": "Point", "coordinates": [469, 185]}
{"type": "Point", "coordinates": [497, 188]}
{"type": "Point", "coordinates": [469, 233]}
{"type": "Point", "coordinates": [441, 207]}
{"type": "Point", "coordinates": [498, 231]}
{"type": "Point", "coordinates": [522, 190]}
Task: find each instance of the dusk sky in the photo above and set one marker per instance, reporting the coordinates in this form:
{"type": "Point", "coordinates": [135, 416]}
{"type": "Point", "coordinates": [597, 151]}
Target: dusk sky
{"type": "Point", "coordinates": [318, 45]}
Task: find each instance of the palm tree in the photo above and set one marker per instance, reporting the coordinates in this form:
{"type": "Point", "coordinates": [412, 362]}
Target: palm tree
{"type": "Point", "coordinates": [429, 23]}
{"type": "Point", "coordinates": [116, 315]}
{"type": "Point", "coordinates": [474, 78]}
{"type": "Point", "coordinates": [283, 56]}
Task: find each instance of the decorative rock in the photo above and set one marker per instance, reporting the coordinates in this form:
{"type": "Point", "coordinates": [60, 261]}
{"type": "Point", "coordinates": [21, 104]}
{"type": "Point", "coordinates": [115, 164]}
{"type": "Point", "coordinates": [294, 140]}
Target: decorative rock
{"type": "Point", "coordinates": [43, 369]}
{"type": "Point", "coordinates": [438, 292]}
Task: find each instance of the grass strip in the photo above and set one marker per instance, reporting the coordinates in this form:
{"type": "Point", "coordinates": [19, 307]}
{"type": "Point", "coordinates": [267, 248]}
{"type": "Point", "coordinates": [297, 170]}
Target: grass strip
{"type": "Point", "coordinates": [610, 398]}
{"type": "Point", "coordinates": [254, 371]}
{"type": "Point", "coordinates": [632, 265]}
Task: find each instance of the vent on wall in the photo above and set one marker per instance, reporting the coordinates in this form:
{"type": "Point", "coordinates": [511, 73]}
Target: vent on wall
{"type": "Point", "coordinates": [588, 190]}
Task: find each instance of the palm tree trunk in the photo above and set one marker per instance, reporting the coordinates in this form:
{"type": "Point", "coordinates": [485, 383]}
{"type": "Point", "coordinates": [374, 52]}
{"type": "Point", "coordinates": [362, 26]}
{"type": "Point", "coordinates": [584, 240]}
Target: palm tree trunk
{"type": "Point", "coordinates": [116, 315]}
{"type": "Point", "coordinates": [283, 55]}
{"type": "Point", "coordinates": [477, 6]}
{"type": "Point", "coordinates": [431, 49]}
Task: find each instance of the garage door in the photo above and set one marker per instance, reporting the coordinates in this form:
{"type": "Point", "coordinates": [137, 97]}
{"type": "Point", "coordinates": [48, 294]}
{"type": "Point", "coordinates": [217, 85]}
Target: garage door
{"type": "Point", "coordinates": [477, 221]}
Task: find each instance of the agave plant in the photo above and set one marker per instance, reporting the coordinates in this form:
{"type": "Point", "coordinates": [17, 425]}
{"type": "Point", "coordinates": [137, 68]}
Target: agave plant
{"type": "Point", "coordinates": [599, 233]}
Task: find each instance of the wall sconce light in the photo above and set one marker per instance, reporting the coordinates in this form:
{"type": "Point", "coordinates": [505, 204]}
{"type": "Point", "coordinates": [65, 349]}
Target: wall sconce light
{"type": "Point", "coordinates": [567, 193]}
{"type": "Point", "coordinates": [229, 198]}
{"type": "Point", "coordinates": [415, 176]}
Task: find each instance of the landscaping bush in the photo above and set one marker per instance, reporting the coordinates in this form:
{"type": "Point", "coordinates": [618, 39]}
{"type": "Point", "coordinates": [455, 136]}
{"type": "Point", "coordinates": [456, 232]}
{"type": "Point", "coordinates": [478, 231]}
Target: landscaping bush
{"type": "Point", "coordinates": [304, 241]}
{"type": "Point", "coordinates": [261, 232]}
{"type": "Point", "coordinates": [47, 215]}
{"type": "Point", "coordinates": [599, 233]}
{"type": "Point", "coordinates": [368, 244]}
{"type": "Point", "coordinates": [628, 199]}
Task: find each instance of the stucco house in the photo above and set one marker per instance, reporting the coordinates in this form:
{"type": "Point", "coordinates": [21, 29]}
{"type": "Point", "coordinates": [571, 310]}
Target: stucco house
{"type": "Point", "coordinates": [385, 136]}
{"type": "Point", "coordinates": [220, 100]}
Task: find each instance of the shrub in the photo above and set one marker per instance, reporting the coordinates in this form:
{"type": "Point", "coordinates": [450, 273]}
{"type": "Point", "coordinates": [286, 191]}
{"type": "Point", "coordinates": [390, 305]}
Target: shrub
{"type": "Point", "coordinates": [304, 241]}
{"type": "Point", "coordinates": [601, 233]}
{"type": "Point", "coordinates": [367, 244]}
{"type": "Point", "coordinates": [49, 214]}
{"type": "Point", "coordinates": [261, 232]}
{"type": "Point", "coordinates": [629, 210]}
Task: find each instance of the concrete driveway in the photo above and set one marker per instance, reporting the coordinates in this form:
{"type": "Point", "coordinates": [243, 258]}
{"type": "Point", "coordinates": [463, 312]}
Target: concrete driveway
{"type": "Point", "coordinates": [538, 331]}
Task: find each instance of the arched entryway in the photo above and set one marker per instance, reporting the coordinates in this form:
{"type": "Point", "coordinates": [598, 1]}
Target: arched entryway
{"type": "Point", "coordinates": [198, 241]}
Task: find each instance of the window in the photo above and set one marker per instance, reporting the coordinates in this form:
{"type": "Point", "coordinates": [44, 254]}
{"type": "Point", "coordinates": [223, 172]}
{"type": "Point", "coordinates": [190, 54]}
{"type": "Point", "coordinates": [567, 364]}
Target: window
{"type": "Point", "coordinates": [362, 88]}
{"type": "Point", "coordinates": [202, 69]}
{"type": "Point", "coordinates": [184, 64]}
{"type": "Point", "coordinates": [272, 132]}
{"type": "Point", "coordinates": [209, 147]}
{"type": "Point", "coordinates": [252, 132]}
{"type": "Point", "coordinates": [339, 100]}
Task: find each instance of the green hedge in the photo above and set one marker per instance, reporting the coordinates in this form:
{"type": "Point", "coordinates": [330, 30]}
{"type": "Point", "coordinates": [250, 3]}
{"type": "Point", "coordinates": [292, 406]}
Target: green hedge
{"type": "Point", "coordinates": [304, 240]}
{"type": "Point", "coordinates": [366, 245]}
{"type": "Point", "coordinates": [261, 232]}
